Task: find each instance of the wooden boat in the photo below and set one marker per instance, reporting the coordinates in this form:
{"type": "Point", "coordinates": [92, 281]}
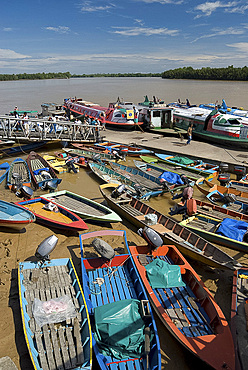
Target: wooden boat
{"type": "Point", "coordinates": [236, 210]}
{"type": "Point", "coordinates": [18, 166]}
{"type": "Point", "coordinates": [59, 166]}
{"type": "Point", "coordinates": [186, 240]}
{"type": "Point", "coordinates": [238, 316]}
{"type": "Point", "coordinates": [41, 171]}
{"type": "Point", "coordinates": [85, 208]}
{"type": "Point", "coordinates": [240, 193]}
{"type": "Point", "coordinates": [154, 164]}
{"type": "Point", "coordinates": [62, 219]}
{"type": "Point", "coordinates": [22, 149]}
{"type": "Point", "coordinates": [130, 150]}
{"type": "Point", "coordinates": [4, 169]}
{"type": "Point", "coordinates": [185, 306]}
{"type": "Point", "coordinates": [108, 282]}
{"type": "Point", "coordinates": [111, 176]}
{"type": "Point", "coordinates": [61, 344]}
{"type": "Point", "coordinates": [208, 227]}
{"type": "Point", "coordinates": [13, 216]}
{"type": "Point", "coordinates": [197, 166]}
{"type": "Point", "coordinates": [114, 115]}
{"type": "Point", "coordinates": [90, 154]}
{"type": "Point", "coordinates": [146, 180]}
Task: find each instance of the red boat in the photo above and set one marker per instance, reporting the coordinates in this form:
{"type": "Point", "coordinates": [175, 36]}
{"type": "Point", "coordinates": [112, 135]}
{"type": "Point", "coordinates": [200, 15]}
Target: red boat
{"type": "Point", "coordinates": [189, 312]}
{"type": "Point", "coordinates": [115, 115]}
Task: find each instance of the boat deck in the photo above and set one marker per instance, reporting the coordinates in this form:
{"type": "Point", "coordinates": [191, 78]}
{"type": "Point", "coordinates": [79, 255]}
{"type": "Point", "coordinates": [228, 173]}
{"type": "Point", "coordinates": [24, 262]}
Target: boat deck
{"type": "Point", "coordinates": [191, 321]}
{"type": "Point", "coordinates": [78, 206]}
{"type": "Point", "coordinates": [59, 345]}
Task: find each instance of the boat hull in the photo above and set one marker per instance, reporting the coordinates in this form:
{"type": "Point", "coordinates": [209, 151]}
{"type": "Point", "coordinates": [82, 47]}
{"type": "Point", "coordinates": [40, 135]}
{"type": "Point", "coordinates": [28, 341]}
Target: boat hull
{"type": "Point", "coordinates": [44, 343]}
{"type": "Point", "coordinates": [215, 346]}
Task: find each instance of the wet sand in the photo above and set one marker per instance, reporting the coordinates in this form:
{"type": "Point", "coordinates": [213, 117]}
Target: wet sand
{"type": "Point", "coordinates": [15, 247]}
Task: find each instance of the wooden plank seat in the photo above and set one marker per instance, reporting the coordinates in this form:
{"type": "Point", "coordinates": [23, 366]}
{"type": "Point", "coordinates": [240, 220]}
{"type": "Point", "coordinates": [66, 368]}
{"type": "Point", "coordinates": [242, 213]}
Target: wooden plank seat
{"type": "Point", "coordinates": [118, 285]}
{"type": "Point", "coordinates": [58, 344]}
{"type": "Point", "coordinates": [176, 303]}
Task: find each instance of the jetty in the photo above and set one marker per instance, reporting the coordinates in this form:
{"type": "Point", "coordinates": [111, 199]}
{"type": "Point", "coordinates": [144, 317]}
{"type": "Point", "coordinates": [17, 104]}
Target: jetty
{"type": "Point", "coordinates": [35, 129]}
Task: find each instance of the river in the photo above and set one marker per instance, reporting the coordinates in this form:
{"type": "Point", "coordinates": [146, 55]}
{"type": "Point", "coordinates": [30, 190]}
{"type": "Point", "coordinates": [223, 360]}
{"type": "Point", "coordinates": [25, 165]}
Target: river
{"type": "Point", "coordinates": [29, 95]}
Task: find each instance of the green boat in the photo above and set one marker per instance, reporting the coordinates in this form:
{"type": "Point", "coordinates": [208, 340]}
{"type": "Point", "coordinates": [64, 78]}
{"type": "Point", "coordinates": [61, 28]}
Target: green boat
{"type": "Point", "coordinates": [155, 166]}
{"type": "Point", "coordinates": [91, 154]}
{"type": "Point", "coordinates": [85, 208]}
{"type": "Point", "coordinates": [210, 229]}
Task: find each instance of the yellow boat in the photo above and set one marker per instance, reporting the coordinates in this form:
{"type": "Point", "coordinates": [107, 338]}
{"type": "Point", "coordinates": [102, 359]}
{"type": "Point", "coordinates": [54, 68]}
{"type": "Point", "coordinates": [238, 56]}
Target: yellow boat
{"type": "Point", "coordinates": [59, 165]}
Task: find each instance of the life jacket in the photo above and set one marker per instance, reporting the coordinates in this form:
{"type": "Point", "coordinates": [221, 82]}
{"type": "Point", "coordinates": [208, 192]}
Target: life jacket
{"type": "Point", "coordinates": [191, 207]}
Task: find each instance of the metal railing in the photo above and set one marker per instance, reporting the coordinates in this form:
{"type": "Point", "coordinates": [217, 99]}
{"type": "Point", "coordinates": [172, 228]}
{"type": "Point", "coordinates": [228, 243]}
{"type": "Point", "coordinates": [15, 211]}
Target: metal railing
{"type": "Point", "coordinates": [33, 129]}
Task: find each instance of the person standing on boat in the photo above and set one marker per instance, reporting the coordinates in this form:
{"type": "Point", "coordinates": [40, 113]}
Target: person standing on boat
{"type": "Point", "coordinates": [189, 133]}
{"type": "Point", "coordinates": [25, 123]}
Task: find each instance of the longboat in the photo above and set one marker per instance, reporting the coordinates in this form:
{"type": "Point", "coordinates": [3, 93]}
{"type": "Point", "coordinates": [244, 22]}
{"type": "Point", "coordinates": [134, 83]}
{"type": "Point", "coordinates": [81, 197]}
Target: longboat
{"type": "Point", "coordinates": [130, 150]}
{"type": "Point", "coordinates": [114, 290]}
{"type": "Point", "coordinates": [41, 171]}
{"type": "Point", "coordinates": [19, 167]}
{"type": "Point", "coordinates": [65, 342]}
{"type": "Point", "coordinates": [53, 215]}
{"type": "Point", "coordinates": [13, 216]}
{"type": "Point", "coordinates": [85, 208]}
{"type": "Point", "coordinates": [228, 232]}
{"type": "Point", "coordinates": [184, 305]}
{"type": "Point", "coordinates": [4, 169]}
{"type": "Point", "coordinates": [172, 232]}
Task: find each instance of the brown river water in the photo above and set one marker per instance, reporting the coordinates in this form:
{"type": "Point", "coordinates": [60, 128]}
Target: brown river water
{"type": "Point", "coordinates": [15, 247]}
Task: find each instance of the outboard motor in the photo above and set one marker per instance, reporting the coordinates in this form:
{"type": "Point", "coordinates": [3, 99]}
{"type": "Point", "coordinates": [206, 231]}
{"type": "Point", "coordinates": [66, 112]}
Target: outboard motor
{"type": "Point", "coordinates": [118, 154]}
{"type": "Point", "coordinates": [103, 248]}
{"type": "Point", "coordinates": [223, 167]}
{"type": "Point", "coordinates": [153, 239]}
{"type": "Point", "coordinates": [45, 248]}
{"type": "Point", "coordinates": [97, 158]}
{"type": "Point", "coordinates": [224, 178]}
{"type": "Point", "coordinates": [17, 181]}
{"type": "Point", "coordinates": [239, 171]}
{"type": "Point", "coordinates": [123, 153]}
{"type": "Point", "coordinates": [139, 190]}
{"type": "Point", "coordinates": [118, 191]}
{"type": "Point", "coordinates": [229, 198]}
{"type": "Point", "coordinates": [46, 175]}
{"type": "Point", "coordinates": [185, 179]}
{"type": "Point", "coordinates": [24, 192]}
{"type": "Point", "coordinates": [70, 164]}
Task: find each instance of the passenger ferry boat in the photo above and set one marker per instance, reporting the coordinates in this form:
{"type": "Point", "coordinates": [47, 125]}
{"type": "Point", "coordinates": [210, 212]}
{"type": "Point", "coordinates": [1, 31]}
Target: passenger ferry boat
{"type": "Point", "coordinates": [116, 115]}
{"type": "Point", "coordinates": [216, 127]}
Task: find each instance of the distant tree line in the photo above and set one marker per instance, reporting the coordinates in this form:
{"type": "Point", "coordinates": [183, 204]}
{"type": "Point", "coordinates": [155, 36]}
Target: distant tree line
{"type": "Point", "coordinates": [45, 76]}
{"type": "Point", "coordinates": [207, 73]}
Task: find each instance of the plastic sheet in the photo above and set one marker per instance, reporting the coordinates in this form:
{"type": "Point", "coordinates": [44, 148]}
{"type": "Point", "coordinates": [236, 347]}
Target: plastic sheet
{"type": "Point", "coordinates": [233, 229]}
{"type": "Point", "coordinates": [171, 177]}
{"type": "Point", "coordinates": [163, 275]}
{"type": "Point", "coordinates": [53, 311]}
{"type": "Point", "coordinates": [119, 329]}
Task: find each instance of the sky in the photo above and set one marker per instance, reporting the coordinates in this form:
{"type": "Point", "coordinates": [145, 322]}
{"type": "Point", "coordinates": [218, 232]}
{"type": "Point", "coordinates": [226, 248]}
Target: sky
{"type": "Point", "coordinates": [116, 36]}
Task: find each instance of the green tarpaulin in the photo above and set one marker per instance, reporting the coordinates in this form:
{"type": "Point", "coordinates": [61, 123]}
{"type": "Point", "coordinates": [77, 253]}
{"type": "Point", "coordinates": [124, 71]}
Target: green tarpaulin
{"type": "Point", "coordinates": [163, 275]}
{"type": "Point", "coordinates": [119, 329]}
{"type": "Point", "coordinates": [182, 160]}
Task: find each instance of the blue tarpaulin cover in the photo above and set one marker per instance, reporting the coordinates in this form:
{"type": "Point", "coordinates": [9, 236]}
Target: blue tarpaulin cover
{"type": "Point", "coordinates": [119, 329]}
{"type": "Point", "coordinates": [163, 275]}
{"type": "Point", "coordinates": [233, 229]}
{"type": "Point", "coordinates": [171, 177]}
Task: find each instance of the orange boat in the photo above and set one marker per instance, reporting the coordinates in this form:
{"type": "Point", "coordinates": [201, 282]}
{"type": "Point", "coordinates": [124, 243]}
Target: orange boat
{"type": "Point", "coordinates": [189, 312]}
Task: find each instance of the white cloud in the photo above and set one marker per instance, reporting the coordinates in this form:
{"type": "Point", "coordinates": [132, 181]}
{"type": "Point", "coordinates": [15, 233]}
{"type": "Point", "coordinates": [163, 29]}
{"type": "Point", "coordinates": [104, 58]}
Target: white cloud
{"type": "Point", "coordinates": [240, 46]}
{"type": "Point", "coordinates": [59, 29]}
{"type": "Point", "coordinates": [89, 7]}
{"type": "Point", "coordinates": [208, 7]}
{"type": "Point", "coordinates": [238, 9]}
{"type": "Point", "coordinates": [11, 54]}
{"type": "Point", "coordinates": [7, 29]}
{"type": "Point", "coordinates": [221, 32]}
{"type": "Point", "coordinates": [144, 31]}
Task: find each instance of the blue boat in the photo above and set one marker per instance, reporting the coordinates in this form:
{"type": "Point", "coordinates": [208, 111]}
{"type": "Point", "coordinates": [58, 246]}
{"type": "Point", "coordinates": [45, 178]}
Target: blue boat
{"type": "Point", "coordinates": [108, 285]}
{"type": "Point", "coordinates": [14, 217]}
{"type": "Point", "coordinates": [223, 108]}
{"type": "Point", "coordinates": [18, 174]}
{"type": "Point", "coordinates": [20, 149]}
{"type": "Point", "coordinates": [4, 169]}
{"type": "Point", "coordinates": [197, 166]}
{"type": "Point", "coordinates": [54, 315]}
{"type": "Point", "coordinates": [130, 150]}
